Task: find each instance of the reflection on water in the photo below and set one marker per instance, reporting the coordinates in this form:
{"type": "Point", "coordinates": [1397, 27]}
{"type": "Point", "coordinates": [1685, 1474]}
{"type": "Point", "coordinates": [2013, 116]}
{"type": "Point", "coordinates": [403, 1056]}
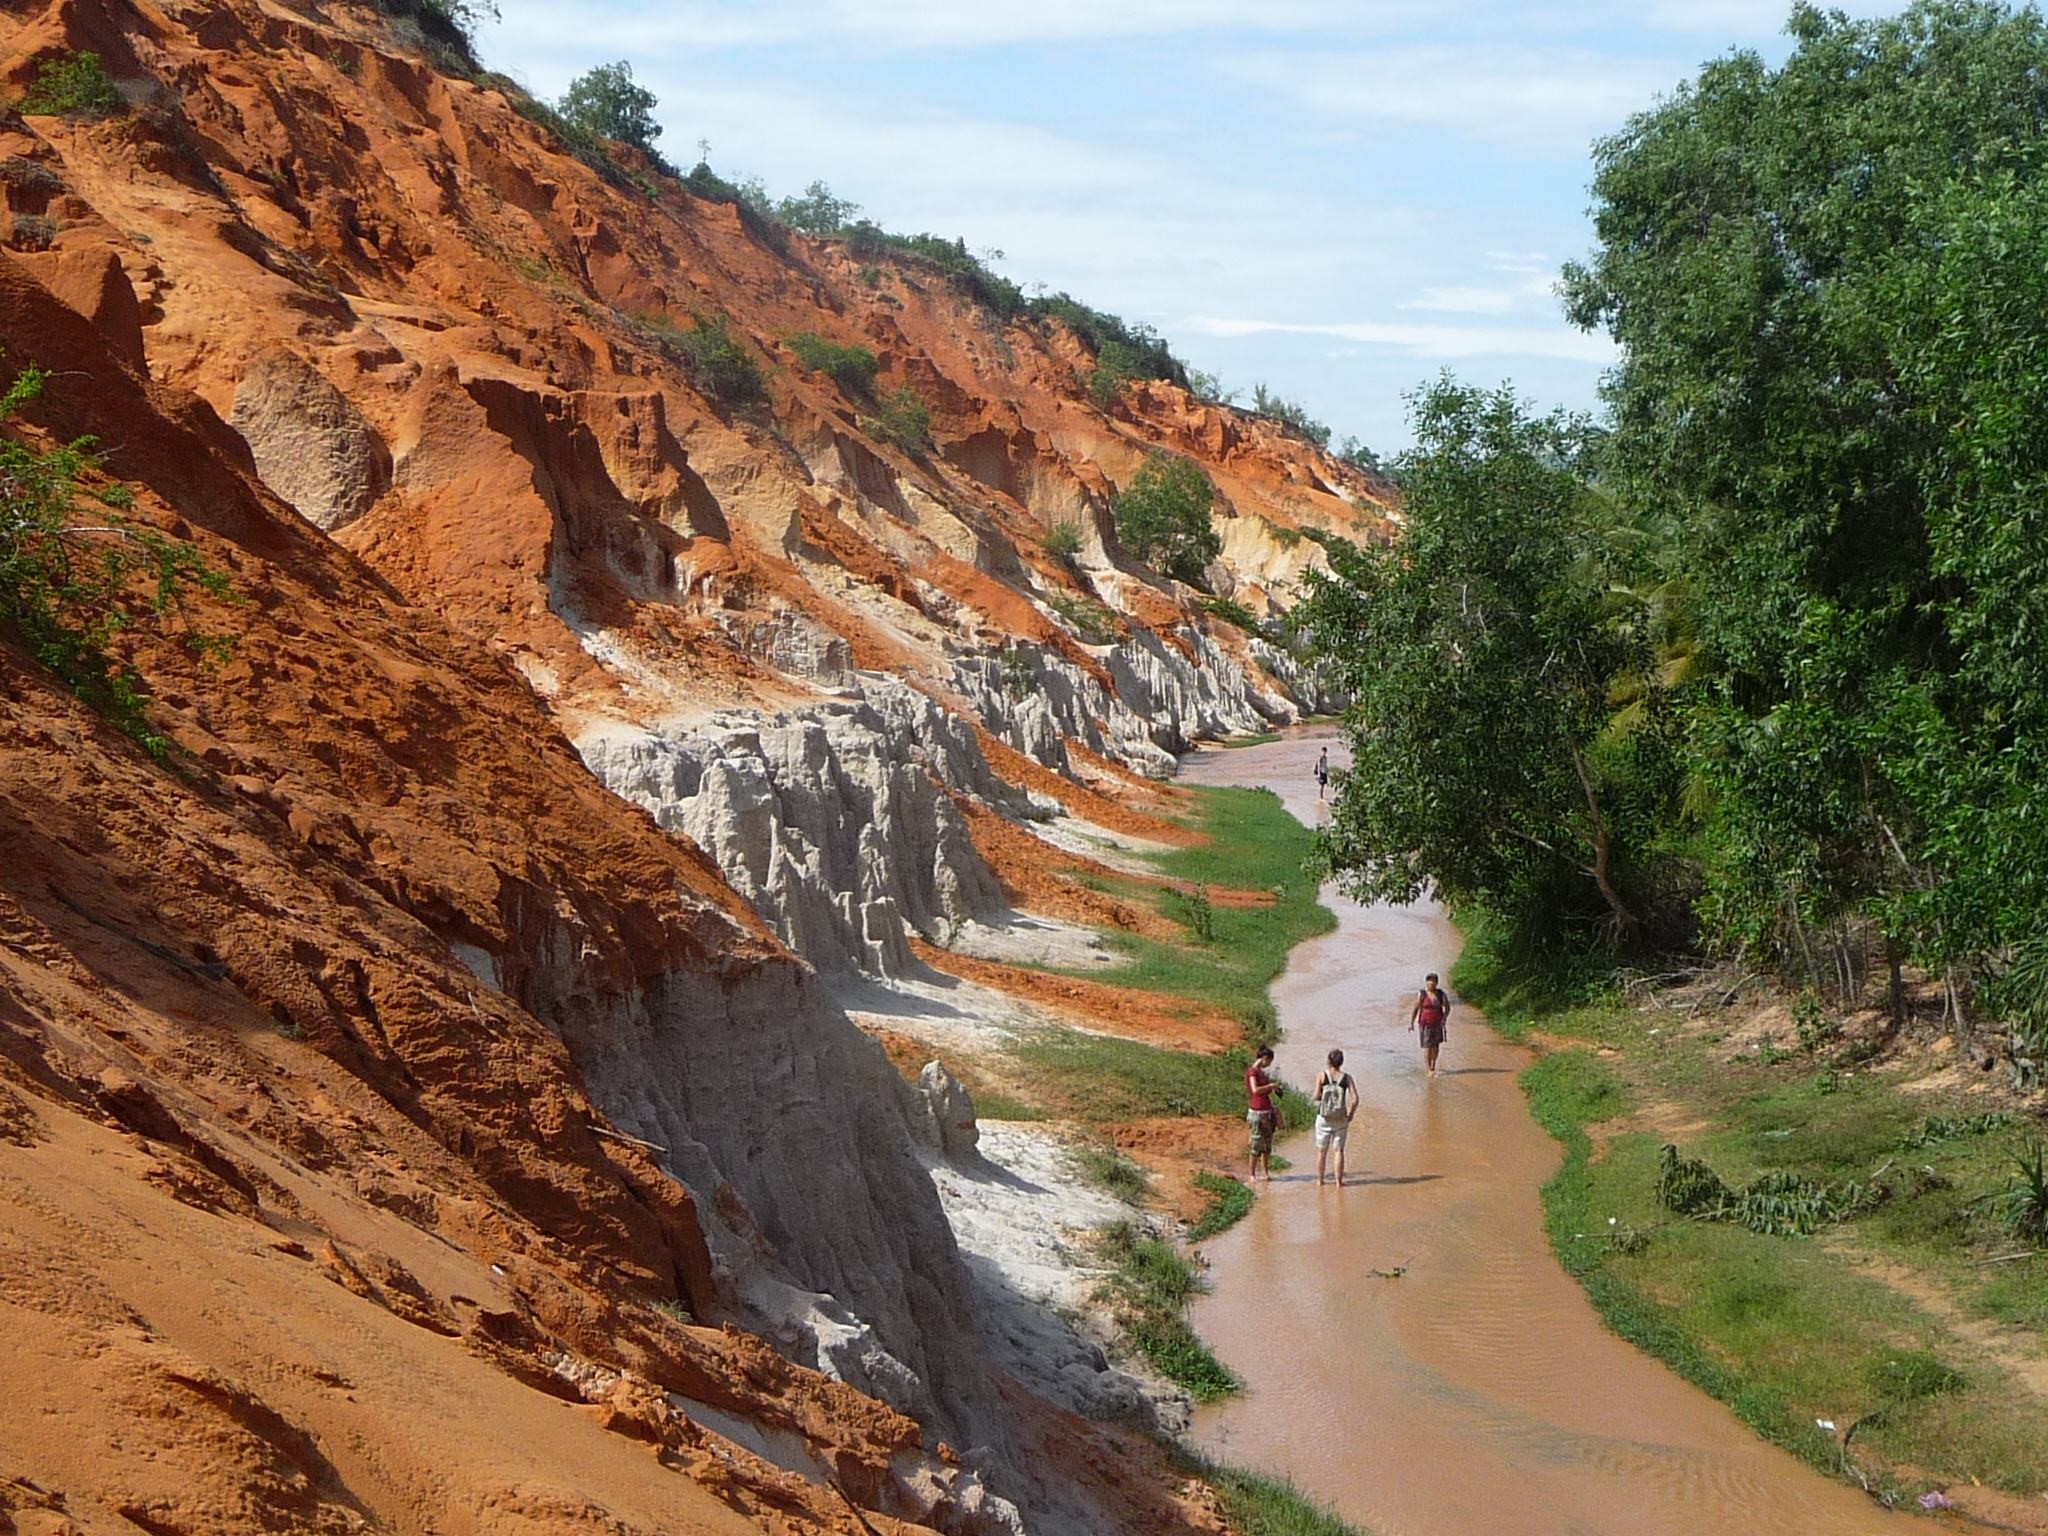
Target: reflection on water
{"type": "Point", "coordinates": [1478, 1393]}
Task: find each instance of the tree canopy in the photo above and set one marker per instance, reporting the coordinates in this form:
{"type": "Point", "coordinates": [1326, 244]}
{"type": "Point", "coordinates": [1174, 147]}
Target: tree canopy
{"type": "Point", "coordinates": [605, 101]}
{"type": "Point", "coordinates": [1162, 517]}
{"type": "Point", "coordinates": [1825, 476]}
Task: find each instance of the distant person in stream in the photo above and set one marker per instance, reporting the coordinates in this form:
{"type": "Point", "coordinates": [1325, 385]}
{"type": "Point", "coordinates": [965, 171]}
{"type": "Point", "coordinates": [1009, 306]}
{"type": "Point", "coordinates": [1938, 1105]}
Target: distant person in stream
{"type": "Point", "coordinates": [1431, 1015]}
{"type": "Point", "coordinates": [1322, 772]}
{"type": "Point", "coordinates": [1260, 1115]}
{"type": "Point", "coordinates": [1336, 1103]}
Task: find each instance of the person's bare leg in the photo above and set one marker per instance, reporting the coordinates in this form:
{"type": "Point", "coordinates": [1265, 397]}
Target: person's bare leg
{"type": "Point", "coordinates": [1322, 1163]}
{"type": "Point", "coordinates": [1340, 1165]}
{"type": "Point", "coordinates": [1429, 1056]}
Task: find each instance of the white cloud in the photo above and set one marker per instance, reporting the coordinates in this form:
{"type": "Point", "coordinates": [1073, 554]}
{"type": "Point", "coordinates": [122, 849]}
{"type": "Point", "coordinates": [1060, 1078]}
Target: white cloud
{"type": "Point", "coordinates": [1534, 100]}
{"type": "Point", "coordinates": [1437, 343]}
{"type": "Point", "coordinates": [892, 26]}
{"type": "Point", "coordinates": [1534, 291]}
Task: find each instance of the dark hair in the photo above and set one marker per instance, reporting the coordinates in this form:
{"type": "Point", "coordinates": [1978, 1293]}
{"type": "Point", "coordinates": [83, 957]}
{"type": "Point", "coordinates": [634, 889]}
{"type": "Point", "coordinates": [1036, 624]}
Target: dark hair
{"type": "Point", "coordinates": [1336, 1058]}
{"type": "Point", "coordinates": [1430, 977]}
{"type": "Point", "coordinates": [1263, 1053]}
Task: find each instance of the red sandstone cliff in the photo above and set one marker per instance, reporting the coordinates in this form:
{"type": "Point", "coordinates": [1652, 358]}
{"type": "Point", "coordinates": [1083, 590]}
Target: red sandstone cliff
{"type": "Point", "coordinates": [309, 1219]}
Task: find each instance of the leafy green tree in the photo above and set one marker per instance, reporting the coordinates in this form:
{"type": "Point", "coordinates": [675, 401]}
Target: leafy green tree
{"type": "Point", "coordinates": [605, 101]}
{"type": "Point", "coordinates": [1162, 517]}
{"type": "Point", "coordinates": [817, 212]}
{"type": "Point", "coordinates": [1825, 278]}
{"type": "Point", "coordinates": [1481, 653]}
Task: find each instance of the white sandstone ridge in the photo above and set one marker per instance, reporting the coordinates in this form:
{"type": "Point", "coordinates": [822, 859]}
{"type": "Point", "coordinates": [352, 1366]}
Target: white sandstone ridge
{"type": "Point", "coordinates": [834, 821]}
{"type": "Point", "coordinates": [837, 820]}
{"type": "Point", "coordinates": [1165, 700]}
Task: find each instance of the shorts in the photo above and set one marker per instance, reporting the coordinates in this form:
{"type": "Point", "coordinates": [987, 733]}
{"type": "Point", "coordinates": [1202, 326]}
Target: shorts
{"type": "Point", "coordinates": [1262, 1123]}
{"type": "Point", "coordinates": [1432, 1034]}
{"type": "Point", "coordinates": [1331, 1133]}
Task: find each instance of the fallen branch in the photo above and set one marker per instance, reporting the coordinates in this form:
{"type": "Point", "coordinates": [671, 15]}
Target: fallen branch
{"type": "Point", "coordinates": [2010, 1258]}
{"type": "Point", "coordinates": [632, 1141]}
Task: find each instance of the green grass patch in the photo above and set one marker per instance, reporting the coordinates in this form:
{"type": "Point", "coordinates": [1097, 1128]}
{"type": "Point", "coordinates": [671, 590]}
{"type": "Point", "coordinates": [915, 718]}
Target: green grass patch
{"type": "Point", "coordinates": [1255, 739]}
{"type": "Point", "coordinates": [991, 1105]}
{"type": "Point", "coordinates": [1149, 1288]}
{"type": "Point", "coordinates": [1230, 1201]}
{"type": "Point", "coordinates": [1257, 1505]}
{"type": "Point", "coordinates": [1096, 1078]}
{"type": "Point", "coordinates": [1253, 844]}
{"type": "Point", "coordinates": [1112, 1172]}
{"type": "Point", "coordinates": [1784, 1329]}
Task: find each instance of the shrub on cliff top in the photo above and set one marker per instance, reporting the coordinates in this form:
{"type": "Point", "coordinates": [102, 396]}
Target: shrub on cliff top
{"type": "Point", "coordinates": [1162, 516]}
{"type": "Point", "coordinates": [852, 366]}
{"type": "Point", "coordinates": [66, 587]}
{"type": "Point", "coordinates": [71, 85]}
{"type": "Point", "coordinates": [606, 102]}
{"type": "Point", "coordinates": [818, 211]}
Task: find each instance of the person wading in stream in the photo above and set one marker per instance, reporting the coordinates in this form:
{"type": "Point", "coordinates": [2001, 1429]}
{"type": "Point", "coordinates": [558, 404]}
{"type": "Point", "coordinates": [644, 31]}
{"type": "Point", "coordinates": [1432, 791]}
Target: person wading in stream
{"type": "Point", "coordinates": [1431, 1015]}
{"type": "Point", "coordinates": [1336, 1103]}
{"type": "Point", "coordinates": [1260, 1115]}
{"type": "Point", "coordinates": [1322, 772]}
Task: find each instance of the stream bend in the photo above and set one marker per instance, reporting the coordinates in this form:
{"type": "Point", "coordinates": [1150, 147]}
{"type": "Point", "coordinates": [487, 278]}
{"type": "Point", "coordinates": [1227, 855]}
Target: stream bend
{"type": "Point", "coordinates": [1478, 1394]}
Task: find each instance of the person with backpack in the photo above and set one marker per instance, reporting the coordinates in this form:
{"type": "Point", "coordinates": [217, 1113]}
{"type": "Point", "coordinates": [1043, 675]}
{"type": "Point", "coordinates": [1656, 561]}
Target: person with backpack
{"type": "Point", "coordinates": [1322, 772]}
{"type": "Point", "coordinates": [1336, 1102]}
{"type": "Point", "coordinates": [1260, 1117]}
{"type": "Point", "coordinates": [1431, 1016]}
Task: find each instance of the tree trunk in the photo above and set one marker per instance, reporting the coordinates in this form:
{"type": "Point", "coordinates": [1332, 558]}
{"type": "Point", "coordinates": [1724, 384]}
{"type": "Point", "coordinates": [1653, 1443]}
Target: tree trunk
{"type": "Point", "coordinates": [1625, 921]}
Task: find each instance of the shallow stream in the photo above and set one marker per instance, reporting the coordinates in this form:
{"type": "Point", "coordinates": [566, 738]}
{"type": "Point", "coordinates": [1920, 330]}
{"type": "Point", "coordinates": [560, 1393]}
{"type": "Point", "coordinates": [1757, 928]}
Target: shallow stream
{"type": "Point", "coordinates": [1478, 1394]}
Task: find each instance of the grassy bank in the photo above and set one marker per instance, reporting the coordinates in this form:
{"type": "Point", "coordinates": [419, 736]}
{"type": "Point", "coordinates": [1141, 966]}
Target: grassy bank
{"type": "Point", "coordinates": [1889, 1324]}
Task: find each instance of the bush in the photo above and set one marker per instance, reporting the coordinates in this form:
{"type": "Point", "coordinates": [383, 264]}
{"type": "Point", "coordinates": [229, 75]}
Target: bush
{"type": "Point", "coordinates": [716, 360]}
{"type": "Point", "coordinates": [853, 367]}
{"type": "Point", "coordinates": [33, 232]}
{"type": "Point", "coordinates": [1115, 366]}
{"type": "Point", "coordinates": [65, 588]}
{"type": "Point", "coordinates": [446, 28]}
{"type": "Point", "coordinates": [1162, 517]}
{"type": "Point", "coordinates": [1287, 414]}
{"type": "Point", "coordinates": [606, 102]}
{"type": "Point", "coordinates": [1232, 612]}
{"type": "Point", "coordinates": [817, 212]}
{"type": "Point", "coordinates": [904, 419]}
{"type": "Point", "coordinates": [1063, 542]}
{"type": "Point", "coordinates": [1128, 351]}
{"type": "Point", "coordinates": [30, 176]}
{"type": "Point", "coordinates": [71, 85]}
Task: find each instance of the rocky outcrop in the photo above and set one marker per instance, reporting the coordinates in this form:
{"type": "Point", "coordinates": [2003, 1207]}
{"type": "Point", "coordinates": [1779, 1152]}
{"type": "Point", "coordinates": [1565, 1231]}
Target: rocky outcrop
{"type": "Point", "coordinates": [312, 445]}
{"type": "Point", "coordinates": [945, 1120]}
{"type": "Point", "coordinates": [833, 821]}
{"type": "Point", "coordinates": [1166, 699]}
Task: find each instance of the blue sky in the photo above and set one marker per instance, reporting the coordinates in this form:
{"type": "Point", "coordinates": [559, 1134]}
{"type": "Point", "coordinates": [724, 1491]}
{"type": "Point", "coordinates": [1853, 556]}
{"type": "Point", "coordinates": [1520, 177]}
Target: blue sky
{"type": "Point", "coordinates": [1335, 199]}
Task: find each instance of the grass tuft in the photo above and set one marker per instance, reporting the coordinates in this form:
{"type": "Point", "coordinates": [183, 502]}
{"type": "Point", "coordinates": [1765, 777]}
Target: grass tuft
{"type": "Point", "coordinates": [1230, 1201]}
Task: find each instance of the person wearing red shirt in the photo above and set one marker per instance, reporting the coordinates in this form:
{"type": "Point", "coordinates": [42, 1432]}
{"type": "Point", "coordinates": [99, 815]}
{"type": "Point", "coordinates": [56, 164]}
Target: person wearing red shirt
{"type": "Point", "coordinates": [1260, 1115]}
{"type": "Point", "coordinates": [1430, 1017]}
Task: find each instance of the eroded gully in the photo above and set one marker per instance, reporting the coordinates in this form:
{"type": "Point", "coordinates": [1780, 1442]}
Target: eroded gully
{"type": "Point", "coordinates": [1478, 1393]}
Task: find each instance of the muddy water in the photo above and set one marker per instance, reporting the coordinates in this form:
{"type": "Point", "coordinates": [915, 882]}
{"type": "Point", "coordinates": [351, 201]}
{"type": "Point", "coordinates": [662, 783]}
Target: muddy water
{"type": "Point", "coordinates": [1478, 1394]}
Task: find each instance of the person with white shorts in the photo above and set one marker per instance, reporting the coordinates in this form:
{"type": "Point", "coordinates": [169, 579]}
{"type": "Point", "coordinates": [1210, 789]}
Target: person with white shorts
{"type": "Point", "coordinates": [1336, 1100]}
